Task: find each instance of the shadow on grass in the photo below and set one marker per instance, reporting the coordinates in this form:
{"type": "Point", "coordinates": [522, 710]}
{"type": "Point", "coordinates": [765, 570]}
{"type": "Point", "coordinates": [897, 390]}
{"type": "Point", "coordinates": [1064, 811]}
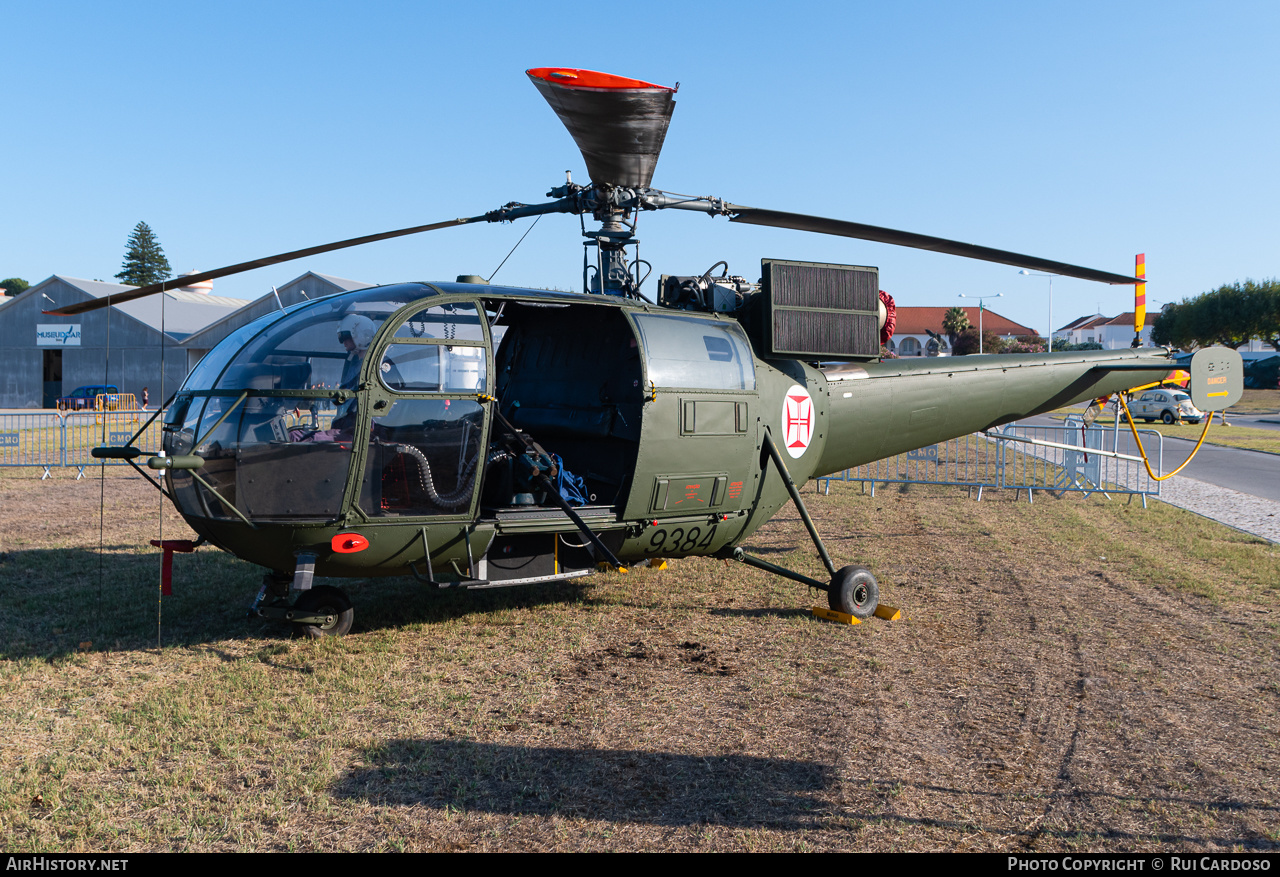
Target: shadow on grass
{"type": "Point", "coordinates": [763, 612]}
{"type": "Point", "coordinates": [58, 601]}
{"type": "Point", "coordinates": [614, 785]}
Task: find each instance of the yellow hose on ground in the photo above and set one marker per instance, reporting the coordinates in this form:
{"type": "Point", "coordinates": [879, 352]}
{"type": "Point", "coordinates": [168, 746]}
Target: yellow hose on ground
{"type": "Point", "coordinates": [1143, 451]}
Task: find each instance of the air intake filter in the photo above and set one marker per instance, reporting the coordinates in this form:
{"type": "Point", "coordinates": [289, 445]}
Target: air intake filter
{"type": "Point", "coordinates": [818, 311]}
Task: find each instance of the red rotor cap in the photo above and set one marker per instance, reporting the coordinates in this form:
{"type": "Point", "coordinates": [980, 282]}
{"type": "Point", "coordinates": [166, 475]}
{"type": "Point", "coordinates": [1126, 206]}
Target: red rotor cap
{"type": "Point", "coordinates": [573, 78]}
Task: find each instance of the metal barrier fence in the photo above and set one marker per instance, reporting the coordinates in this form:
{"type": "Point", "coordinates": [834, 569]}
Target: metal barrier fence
{"type": "Point", "coordinates": [34, 439]}
{"type": "Point", "coordinates": [85, 430]}
{"type": "Point", "coordinates": [968, 461]}
{"type": "Point", "coordinates": [115, 402]}
{"type": "Point", "coordinates": [1030, 458]}
{"type": "Point", "coordinates": [1068, 458]}
{"type": "Point", "coordinates": [1052, 465]}
{"type": "Point", "coordinates": [63, 439]}
{"type": "Point", "coordinates": [49, 439]}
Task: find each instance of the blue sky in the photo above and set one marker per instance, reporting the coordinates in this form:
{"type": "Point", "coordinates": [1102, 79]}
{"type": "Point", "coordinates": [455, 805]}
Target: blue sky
{"type": "Point", "coordinates": [1083, 132]}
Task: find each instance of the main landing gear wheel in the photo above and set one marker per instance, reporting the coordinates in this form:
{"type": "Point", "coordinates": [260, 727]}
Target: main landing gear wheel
{"type": "Point", "coordinates": [854, 591]}
{"type": "Point", "coordinates": [329, 601]}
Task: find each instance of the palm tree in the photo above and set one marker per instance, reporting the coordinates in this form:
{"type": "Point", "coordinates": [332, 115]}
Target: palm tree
{"type": "Point", "coordinates": [954, 321]}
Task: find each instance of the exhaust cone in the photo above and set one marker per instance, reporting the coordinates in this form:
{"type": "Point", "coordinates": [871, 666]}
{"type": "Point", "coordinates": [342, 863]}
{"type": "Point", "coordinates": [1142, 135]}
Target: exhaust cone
{"type": "Point", "coordinates": [618, 123]}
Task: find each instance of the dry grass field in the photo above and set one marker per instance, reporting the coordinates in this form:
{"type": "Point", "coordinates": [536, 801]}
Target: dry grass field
{"type": "Point", "coordinates": [1077, 674]}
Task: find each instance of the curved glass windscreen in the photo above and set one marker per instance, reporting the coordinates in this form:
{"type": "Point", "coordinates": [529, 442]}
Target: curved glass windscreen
{"type": "Point", "coordinates": [319, 345]}
{"type": "Point", "coordinates": [210, 367]}
{"type": "Point", "coordinates": [264, 456]}
{"type": "Point", "coordinates": [278, 456]}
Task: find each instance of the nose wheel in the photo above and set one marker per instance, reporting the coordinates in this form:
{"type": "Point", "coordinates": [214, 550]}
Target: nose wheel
{"type": "Point", "coordinates": [854, 591]}
{"type": "Point", "coordinates": [324, 611]}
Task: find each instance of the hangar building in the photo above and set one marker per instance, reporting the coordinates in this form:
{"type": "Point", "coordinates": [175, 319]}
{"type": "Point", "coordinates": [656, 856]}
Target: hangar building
{"type": "Point", "coordinates": [152, 342]}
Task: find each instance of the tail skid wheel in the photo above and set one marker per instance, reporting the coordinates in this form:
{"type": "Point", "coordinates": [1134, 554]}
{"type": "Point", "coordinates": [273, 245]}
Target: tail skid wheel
{"type": "Point", "coordinates": [325, 600]}
{"type": "Point", "coordinates": [854, 591]}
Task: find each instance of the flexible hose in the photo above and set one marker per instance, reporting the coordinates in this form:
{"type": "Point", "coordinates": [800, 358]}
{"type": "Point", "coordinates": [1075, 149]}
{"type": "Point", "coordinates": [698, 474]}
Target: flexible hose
{"type": "Point", "coordinates": [1143, 452]}
{"type": "Point", "coordinates": [459, 498]}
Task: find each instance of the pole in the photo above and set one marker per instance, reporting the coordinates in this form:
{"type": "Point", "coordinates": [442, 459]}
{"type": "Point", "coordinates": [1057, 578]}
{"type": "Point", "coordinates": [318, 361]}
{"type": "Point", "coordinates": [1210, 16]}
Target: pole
{"type": "Point", "coordinates": [1050, 336]}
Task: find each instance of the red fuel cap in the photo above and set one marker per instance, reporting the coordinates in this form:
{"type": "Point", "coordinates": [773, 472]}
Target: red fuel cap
{"type": "Point", "coordinates": [348, 543]}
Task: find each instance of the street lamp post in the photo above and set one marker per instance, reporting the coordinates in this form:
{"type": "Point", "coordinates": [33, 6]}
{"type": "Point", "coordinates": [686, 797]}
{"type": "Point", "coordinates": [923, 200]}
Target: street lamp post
{"type": "Point", "coordinates": [980, 308]}
{"type": "Point", "coordinates": [1050, 276]}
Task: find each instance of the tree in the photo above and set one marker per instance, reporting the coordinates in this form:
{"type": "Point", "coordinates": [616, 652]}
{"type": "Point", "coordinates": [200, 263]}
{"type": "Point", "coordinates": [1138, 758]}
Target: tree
{"type": "Point", "coordinates": [144, 261]}
{"type": "Point", "coordinates": [1229, 315]}
{"type": "Point", "coordinates": [954, 321]}
{"type": "Point", "coordinates": [14, 286]}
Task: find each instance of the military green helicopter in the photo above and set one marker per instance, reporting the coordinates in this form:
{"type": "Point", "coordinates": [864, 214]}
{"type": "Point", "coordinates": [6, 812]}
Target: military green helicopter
{"type": "Point", "coordinates": [431, 429]}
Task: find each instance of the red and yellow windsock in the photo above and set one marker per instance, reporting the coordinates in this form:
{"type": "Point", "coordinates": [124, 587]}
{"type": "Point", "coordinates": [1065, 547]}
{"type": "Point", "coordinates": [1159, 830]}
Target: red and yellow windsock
{"type": "Point", "coordinates": [1140, 293]}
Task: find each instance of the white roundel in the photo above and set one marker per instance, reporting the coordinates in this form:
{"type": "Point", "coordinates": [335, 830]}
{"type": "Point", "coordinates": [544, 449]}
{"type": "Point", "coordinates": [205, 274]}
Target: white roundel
{"type": "Point", "coordinates": [797, 420]}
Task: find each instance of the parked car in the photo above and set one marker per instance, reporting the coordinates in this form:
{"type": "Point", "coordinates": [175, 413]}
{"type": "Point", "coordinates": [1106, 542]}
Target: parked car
{"type": "Point", "coordinates": [1167, 405]}
{"type": "Point", "coordinates": [87, 397]}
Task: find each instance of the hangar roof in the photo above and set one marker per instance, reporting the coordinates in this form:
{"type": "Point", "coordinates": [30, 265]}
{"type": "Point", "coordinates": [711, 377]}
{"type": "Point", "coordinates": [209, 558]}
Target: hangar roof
{"type": "Point", "coordinates": [176, 313]}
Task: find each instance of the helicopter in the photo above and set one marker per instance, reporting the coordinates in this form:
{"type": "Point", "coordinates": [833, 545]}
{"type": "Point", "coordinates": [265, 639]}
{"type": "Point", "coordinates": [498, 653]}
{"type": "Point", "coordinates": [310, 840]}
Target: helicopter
{"type": "Point", "coordinates": [478, 436]}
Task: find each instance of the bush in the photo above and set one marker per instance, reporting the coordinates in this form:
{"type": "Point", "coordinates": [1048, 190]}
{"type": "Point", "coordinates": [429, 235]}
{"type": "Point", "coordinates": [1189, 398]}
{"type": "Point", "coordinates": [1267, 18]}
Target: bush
{"type": "Point", "coordinates": [967, 342]}
{"type": "Point", "coordinates": [1025, 344]}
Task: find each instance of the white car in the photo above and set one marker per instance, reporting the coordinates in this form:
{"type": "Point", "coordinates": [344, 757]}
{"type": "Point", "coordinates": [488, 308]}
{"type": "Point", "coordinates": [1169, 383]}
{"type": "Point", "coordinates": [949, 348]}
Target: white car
{"type": "Point", "coordinates": [1167, 405]}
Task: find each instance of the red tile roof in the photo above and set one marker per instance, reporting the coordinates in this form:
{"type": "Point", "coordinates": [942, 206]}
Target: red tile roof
{"type": "Point", "coordinates": [913, 321]}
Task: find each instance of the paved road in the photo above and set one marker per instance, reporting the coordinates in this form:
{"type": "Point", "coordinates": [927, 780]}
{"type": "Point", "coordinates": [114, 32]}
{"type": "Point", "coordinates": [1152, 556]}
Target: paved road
{"type": "Point", "coordinates": [1257, 421]}
{"type": "Point", "coordinates": [1249, 472]}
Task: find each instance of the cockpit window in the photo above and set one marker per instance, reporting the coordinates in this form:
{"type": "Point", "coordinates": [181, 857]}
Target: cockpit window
{"type": "Point", "coordinates": [685, 351]}
{"type": "Point", "coordinates": [439, 349]}
{"type": "Point", "coordinates": [270, 457]}
{"type": "Point", "coordinates": [433, 368]}
{"type": "Point", "coordinates": [314, 346]}
{"type": "Point", "coordinates": [210, 367]}
{"type": "Point", "coordinates": [457, 321]}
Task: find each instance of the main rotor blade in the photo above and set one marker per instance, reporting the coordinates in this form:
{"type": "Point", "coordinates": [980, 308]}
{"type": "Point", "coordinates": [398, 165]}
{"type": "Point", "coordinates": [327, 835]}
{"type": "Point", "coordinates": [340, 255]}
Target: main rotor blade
{"type": "Point", "coordinates": [240, 267]}
{"type": "Point", "coordinates": [803, 222]}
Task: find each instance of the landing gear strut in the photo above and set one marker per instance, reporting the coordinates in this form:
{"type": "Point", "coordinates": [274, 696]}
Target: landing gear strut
{"type": "Point", "coordinates": [319, 611]}
{"type": "Point", "coordinates": [852, 590]}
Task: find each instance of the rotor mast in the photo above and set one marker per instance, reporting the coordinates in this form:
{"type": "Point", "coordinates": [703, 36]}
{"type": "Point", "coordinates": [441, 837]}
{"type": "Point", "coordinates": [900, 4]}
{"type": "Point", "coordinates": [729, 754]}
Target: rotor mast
{"type": "Point", "coordinates": [619, 125]}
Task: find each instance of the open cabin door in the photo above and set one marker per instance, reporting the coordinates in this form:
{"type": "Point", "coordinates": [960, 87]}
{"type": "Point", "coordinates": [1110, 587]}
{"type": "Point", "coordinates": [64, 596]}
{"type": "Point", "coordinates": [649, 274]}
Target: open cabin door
{"type": "Point", "coordinates": [428, 430]}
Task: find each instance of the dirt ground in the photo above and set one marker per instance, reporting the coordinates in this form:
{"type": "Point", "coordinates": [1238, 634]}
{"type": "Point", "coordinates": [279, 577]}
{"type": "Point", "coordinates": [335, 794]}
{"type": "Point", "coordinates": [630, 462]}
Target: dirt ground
{"type": "Point", "coordinates": [1055, 684]}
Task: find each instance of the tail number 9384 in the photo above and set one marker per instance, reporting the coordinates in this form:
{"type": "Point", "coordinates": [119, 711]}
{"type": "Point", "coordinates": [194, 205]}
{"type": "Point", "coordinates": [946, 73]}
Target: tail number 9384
{"type": "Point", "coordinates": [680, 540]}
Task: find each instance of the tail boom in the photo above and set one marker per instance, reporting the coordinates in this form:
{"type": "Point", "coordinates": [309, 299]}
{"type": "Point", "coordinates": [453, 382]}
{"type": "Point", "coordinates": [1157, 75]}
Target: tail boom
{"type": "Point", "coordinates": [877, 410]}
